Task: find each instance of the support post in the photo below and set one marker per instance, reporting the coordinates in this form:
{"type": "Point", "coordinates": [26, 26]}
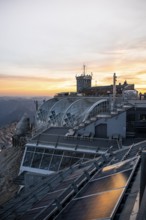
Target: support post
{"type": "Point", "coordinates": [143, 175]}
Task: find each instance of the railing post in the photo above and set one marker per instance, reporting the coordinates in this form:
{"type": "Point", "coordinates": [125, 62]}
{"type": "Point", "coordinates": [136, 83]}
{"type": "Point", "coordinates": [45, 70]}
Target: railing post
{"type": "Point", "coordinates": [58, 204]}
{"type": "Point", "coordinates": [74, 186]}
{"type": "Point", "coordinates": [143, 175]}
{"type": "Point", "coordinates": [87, 174]}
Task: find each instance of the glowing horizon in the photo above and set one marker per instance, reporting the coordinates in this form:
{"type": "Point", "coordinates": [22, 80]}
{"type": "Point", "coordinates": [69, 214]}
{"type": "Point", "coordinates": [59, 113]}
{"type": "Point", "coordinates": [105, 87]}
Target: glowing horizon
{"type": "Point", "coordinates": [37, 86]}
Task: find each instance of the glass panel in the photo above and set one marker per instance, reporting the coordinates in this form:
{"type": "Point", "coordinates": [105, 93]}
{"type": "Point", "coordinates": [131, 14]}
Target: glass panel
{"type": "Point", "coordinates": [77, 154]}
{"type": "Point", "coordinates": [55, 163]}
{"type": "Point", "coordinates": [31, 149]}
{"type": "Point", "coordinates": [49, 151]}
{"type": "Point", "coordinates": [108, 183]}
{"type": "Point", "coordinates": [45, 161]}
{"type": "Point", "coordinates": [66, 162]}
{"type": "Point", "coordinates": [58, 152]}
{"type": "Point", "coordinates": [39, 149]}
{"type": "Point", "coordinates": [99, 206]}
{"type": "Point", "coordinates": [68, 153]}
{"type": "Point", "coordinates": [27, 159]}
{"type": "Point", "coordinates": [36, 160]}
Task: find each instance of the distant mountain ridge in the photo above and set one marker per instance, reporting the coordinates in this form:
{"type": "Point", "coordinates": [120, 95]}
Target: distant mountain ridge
{"type": "Point", "coordinates": [13, 108]}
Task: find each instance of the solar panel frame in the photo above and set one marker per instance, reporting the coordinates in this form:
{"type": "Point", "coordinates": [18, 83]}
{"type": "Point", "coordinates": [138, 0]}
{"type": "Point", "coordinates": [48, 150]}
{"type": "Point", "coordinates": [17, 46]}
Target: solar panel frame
{"type": "Point", "coordinates": [79, 208]}
{"type": "Point", "coordinates": [112, 182]}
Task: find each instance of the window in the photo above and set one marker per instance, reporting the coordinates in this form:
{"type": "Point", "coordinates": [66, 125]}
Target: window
{"type": "Point", "coordinates": [66, 162]}
{"type": "Point", "coordinates": [49, 151]}
{"type": "Point", "coordinates": [54, 166]}
{"type": "Point", "coordinates": [39, 149]}
{"type": "Point", "coordinates": [58, 152]}
{"type": "Point", "coordinates": [28, 159]}
{"type": "Point", "coordinates": [45, 161]}
{"type": "Point", "coordinates": [68, 153]}
{"type": "Point", "coordinates": [31, 149]}
{"type": "Point", "coordinates": [36, 160]}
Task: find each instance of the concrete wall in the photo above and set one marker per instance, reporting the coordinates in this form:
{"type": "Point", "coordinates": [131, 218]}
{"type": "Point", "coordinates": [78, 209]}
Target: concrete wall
{"type": "Point", "coordinates": [115, 125]}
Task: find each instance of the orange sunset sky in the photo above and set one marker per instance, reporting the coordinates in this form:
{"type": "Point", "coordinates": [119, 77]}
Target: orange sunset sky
{"type": "Point", "coordinates": [44, 44]}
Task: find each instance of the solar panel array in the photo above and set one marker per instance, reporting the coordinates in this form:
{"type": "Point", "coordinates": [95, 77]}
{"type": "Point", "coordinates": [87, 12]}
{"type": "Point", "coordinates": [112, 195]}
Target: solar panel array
{"type": "Point", "coordinates": [92, 201]}
{"type": "Point", "coordinates": [52, 195]}
{"type": "Point", "coordinates": [46, 205]}
{"type": "Point", "coordinates": [98, 199]}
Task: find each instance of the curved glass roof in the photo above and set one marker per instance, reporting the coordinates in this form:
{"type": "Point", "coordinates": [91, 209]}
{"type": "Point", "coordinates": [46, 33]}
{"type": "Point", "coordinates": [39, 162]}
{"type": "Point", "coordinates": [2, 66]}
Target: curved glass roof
{"type": "Point", "coordinates": [57, 111]}
{"type": "Point", "coordinates": [69, 111]}
{"type": "Point", "coordinates": [42, 113]}
{"type": "Point", "coordinates": [76, 112]}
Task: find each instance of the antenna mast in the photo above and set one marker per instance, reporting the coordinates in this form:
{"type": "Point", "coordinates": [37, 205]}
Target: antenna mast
{"type": "Point", "coordinates": [114, 89]}
{"type": "Point", "coordinates": [84, 69]}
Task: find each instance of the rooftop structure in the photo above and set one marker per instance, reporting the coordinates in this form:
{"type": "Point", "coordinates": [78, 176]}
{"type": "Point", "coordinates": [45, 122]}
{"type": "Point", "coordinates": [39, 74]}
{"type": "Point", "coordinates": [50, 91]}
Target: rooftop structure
{"type": "Point", "coordinates": [83, 161]}
{"type": "Point", "coordinates": [83, 81]}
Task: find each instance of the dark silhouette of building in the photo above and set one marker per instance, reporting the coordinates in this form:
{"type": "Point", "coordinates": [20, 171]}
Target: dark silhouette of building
{"type": "Point", "coordinates": [84, 86]}
{"type": "Point", "coordinates": [83, 81]}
